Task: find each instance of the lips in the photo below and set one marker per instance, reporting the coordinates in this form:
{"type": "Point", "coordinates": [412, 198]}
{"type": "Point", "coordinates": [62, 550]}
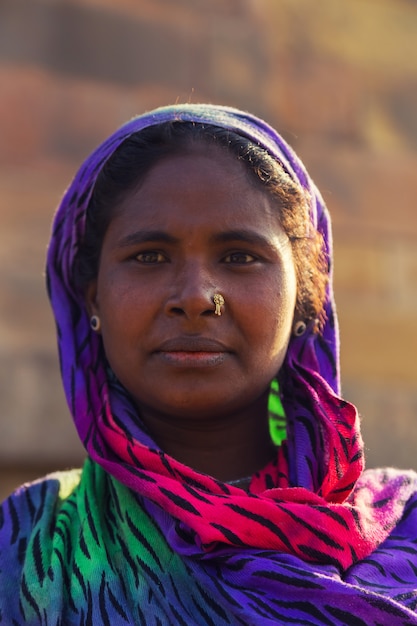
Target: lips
{"type": "Point", "coordinates": [192, 353]}
{"type": "Point", "coordinates": [192, 344]}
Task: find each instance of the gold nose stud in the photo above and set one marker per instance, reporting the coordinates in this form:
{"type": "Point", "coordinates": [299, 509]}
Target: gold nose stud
{"type": "Point", "coordinates": [219, 302]}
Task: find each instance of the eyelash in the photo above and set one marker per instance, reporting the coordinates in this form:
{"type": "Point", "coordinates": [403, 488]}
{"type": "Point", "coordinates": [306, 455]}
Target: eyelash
{"type": "Point", "coordinates": [241, 254]}
{"type": "Point", "coordinates": [156, 257]}
{"type": "Point", "coordinates": [149, 253]}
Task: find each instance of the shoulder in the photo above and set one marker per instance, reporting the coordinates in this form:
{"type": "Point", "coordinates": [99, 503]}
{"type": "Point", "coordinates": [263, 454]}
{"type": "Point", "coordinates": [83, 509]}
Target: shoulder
{"type": "Point", "coordinates": [391, 570]}
{"type": "Point", "coordinates": [392, 494]}
{"type": "Point", "coordinates": [37, 499]}
{"type": "Point", "coordinates": [389, 481]}
{"type": "Point", "coordinates": [32, 506]}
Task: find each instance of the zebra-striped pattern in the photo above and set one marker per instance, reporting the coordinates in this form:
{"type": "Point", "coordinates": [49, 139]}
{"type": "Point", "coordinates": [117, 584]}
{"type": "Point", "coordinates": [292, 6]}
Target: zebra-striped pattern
{"type": "Point", "coordinates": [82, 552]}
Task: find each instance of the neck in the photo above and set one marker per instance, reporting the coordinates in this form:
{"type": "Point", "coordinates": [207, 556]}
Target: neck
{"type": "Point", "coordinates": [229, 447]}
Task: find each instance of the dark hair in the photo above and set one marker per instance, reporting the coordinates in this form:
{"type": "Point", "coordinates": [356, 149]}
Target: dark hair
{"type": "Point", "coordinates": [136, 156]}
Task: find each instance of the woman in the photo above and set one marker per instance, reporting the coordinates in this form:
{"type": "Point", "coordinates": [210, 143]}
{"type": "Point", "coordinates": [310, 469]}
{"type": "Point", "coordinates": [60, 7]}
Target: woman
{"type": "Point", "coordinates": [189, 273]}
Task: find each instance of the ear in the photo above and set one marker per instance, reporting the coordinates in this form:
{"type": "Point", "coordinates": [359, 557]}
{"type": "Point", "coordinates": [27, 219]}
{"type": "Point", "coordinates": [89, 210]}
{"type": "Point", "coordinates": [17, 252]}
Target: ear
{"type": "Point", "coordinates": [91, 299]}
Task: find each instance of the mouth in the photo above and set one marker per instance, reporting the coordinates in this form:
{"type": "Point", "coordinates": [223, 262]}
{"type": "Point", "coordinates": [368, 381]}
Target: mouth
{"type": "Point", "coordinates": [193, 352]}
{"type": "Point", "coordinates": [192, 344]}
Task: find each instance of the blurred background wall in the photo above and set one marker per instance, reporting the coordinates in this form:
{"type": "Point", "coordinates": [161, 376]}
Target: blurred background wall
{"type": "Point", "coordinates": [339, 80]}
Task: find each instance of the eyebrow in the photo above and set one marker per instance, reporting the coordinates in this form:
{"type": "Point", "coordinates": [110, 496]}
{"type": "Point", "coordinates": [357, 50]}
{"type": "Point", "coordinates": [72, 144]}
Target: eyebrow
{"type": "Point", "coordinates": [144, 236]}
{"type": "Point", "coordinates": [245, 236]}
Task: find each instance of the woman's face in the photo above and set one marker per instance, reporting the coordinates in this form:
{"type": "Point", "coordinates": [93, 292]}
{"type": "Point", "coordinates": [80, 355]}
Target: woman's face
{"type": "Point", "coordinates": [195, 227]}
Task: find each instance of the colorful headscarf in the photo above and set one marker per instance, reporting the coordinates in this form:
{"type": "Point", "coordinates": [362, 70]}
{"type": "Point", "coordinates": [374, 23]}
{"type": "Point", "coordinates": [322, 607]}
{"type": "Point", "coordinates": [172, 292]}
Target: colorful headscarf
{"type": "Point", "coordinates": [198, 550]}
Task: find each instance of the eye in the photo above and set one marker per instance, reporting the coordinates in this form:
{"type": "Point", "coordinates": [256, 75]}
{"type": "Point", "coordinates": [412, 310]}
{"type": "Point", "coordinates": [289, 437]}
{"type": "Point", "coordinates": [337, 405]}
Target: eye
{"type": "Point", "coordinates": [240, 258]}
{"type": "Point", "coordinates": [150, 257]}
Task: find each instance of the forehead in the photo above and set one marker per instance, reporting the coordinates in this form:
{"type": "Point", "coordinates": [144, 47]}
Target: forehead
{"type": "Point", "coordinates": [199, 186]}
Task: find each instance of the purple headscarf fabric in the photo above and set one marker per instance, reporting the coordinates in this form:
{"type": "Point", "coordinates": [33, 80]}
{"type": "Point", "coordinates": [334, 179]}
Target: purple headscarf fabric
{"type": "Point", "coordinates": [308, 543]}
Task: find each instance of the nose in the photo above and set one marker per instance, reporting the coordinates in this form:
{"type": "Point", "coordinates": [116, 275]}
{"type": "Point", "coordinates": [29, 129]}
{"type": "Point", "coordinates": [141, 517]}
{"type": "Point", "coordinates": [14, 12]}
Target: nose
{"type": "Point", "coordinates": [192, 293]}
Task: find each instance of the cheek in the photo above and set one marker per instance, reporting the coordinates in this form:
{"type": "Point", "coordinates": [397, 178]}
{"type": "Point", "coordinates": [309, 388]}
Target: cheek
{"type": "Point", "coordinates": [116, 294]}
{"type": "Point", "coordinates": [267, 321]}
{"type": "Point", "coordinates": [120, 312]}
{"type": "Point", "coordinates": [272, 326]}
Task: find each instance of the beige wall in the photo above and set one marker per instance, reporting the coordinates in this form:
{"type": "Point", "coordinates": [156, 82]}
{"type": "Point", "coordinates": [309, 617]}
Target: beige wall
{"type": "Point", "coordinates": [339, 80]}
